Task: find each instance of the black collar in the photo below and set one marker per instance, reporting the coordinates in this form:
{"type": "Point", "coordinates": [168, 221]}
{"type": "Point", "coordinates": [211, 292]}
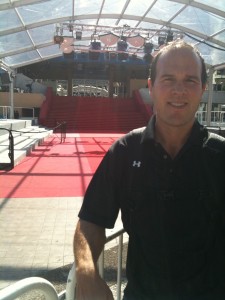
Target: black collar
{"type": "Point", "coordinates": [198, 133]}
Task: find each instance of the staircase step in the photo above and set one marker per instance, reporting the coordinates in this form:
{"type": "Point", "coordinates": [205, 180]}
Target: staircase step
{"type": "Point", "coordinates": [92, 114]}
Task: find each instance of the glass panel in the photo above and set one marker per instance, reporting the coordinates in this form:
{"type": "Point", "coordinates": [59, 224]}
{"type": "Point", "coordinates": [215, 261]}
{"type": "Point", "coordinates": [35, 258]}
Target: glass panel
{"type": "Point", "coordinates": [138, 10]}
{"type": "Point", "coordinates": [211, 55]}
{"type": "Point", "coordinates": [220, 37]}
{"type": "Point", "coordinates": [83, 7]}
{"type": "Point", "coordinates": [164, 10]}
{"type": "Point", "coordinates": [113, 7]}
{"type": "Point", "coordinates": [15, 41]}
{"type": "Point", "coordinates": [219, 4]}
{"type": "Point", "coordinates": [27, 57]}
{"type": "Point", "coordinates": [45, 10]}
{"type": "Point", "coordinates": [50, 51]}
{"type": "Point", "coordinates": [200, 21]}
{"type": "Point", "coordinates": [9, 19]}
{"type": "Point", "coordinates": [42, 34]}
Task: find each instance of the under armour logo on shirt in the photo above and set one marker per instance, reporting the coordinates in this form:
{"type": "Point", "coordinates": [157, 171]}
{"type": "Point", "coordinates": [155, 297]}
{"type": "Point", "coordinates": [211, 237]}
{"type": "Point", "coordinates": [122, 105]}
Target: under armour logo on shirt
{"type": "Point", "coordinates": [136, 164]}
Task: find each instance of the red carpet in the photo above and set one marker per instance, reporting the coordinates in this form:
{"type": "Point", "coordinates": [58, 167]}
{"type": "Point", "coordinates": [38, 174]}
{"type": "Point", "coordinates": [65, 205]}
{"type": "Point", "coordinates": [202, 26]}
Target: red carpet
{"type": "Point", "coordinates": [57, 170]}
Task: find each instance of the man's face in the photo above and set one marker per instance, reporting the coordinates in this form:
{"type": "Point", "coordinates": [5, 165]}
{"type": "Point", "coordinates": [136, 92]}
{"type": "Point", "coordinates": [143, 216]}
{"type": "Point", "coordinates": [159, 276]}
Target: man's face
{"type": "Point", "coordinates": [177, 89]}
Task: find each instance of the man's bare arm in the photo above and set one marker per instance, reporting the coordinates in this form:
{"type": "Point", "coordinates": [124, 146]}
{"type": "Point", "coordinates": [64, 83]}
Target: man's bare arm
{"type": "Point", "coordinates": [89, 241]}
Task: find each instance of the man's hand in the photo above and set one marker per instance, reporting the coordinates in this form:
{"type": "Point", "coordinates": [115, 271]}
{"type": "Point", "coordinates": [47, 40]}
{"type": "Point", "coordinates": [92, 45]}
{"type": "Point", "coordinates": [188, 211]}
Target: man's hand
{"type": "Point", "coordinates": [92, 287]}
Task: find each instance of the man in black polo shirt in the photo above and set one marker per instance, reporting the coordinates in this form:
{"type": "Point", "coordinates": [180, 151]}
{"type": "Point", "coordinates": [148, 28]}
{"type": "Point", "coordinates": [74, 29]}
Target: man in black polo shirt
{"type": "Point", "coordinates": [168, 181]}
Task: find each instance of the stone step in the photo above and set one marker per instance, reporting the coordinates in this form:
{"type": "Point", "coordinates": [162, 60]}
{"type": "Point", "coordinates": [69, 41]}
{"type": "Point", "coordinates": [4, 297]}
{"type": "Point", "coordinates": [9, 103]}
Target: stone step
{"type": "Point", "coordinates": [25, 139]}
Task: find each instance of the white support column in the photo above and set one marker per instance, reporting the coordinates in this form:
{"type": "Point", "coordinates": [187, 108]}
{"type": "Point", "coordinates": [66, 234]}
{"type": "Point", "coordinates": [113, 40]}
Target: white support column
{"type": "Point", "coordinates": [209, 103]}
{"type": "Point", "coordinates": [11, 96]}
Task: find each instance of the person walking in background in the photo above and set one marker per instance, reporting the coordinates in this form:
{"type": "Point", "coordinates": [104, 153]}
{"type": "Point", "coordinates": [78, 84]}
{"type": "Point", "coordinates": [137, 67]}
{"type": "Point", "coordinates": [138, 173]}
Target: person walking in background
{"type": "Point", "coordinates": [168, 181]}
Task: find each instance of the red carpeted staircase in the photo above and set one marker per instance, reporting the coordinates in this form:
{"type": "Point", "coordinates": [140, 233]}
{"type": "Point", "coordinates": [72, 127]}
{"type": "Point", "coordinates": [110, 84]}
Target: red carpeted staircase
{"type": "Point", "coordinates": [86, 114]}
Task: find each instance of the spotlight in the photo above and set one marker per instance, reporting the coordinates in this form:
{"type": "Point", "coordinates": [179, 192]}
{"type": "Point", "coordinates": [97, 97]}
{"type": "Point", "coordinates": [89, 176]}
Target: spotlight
{"type": "Point", "coordinates": [58, 39]}
{"type": "Point", "coordinates": [161, 40]}
{"type": "Point", "coordinates": [78, 35]}
{"type": "Point", "coordinates": [148, 47]}
{"type": "Point", "coordinates": [169, 37]}
{"type": "Point", "coordinates": [70, 27]}
{"type": "Point", "coordinates": [96, 47]}
{"type": "Point", "coordinates": [122, 45]}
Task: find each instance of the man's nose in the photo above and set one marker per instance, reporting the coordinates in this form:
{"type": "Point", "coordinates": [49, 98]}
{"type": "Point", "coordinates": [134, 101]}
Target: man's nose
{"type": "Point", "coordinates": [179, 87]}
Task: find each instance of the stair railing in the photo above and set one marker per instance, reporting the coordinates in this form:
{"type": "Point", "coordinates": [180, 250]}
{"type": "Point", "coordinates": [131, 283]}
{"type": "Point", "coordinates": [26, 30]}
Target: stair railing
{"type": "Point", "coordinates": [63, 127]}
{"type": "Point", "coordinates": [9, 166]}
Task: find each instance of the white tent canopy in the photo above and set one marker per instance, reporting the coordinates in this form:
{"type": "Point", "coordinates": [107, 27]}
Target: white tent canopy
{"type": "Point", "coordinates": [28, 27]}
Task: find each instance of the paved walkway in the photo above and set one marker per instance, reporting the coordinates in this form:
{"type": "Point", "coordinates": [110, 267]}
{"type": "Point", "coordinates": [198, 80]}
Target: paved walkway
{"type": "Point", "coordinates": [36, 235]}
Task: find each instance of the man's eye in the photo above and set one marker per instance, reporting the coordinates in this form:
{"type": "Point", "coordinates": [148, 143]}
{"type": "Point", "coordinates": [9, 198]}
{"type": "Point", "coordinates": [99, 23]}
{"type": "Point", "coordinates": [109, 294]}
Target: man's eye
{"type": "Point", "coordinates": [191, 81]}
{"type": "Point", "coordinates": [168, 79]}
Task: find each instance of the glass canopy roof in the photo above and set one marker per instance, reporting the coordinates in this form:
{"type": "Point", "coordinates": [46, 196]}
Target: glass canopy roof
{"type": "Point", "coordinates": [28, 27]}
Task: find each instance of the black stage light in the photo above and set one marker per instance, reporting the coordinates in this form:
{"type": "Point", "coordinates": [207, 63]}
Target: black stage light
{"type": "Point", "coordinates": [122, 45]}
{"type": "Point", "coordinates": [78, 35]}
{"type": "Point", "coordinates": [161, 40]}
{"type": "Point", "coordinates": [58, 39]}
{"type": "Point", "coordinates": [96, 46]}
{"type": "Point", "coordinates": [148, 47]}
{"type": "Point", "coordinates": [169, 37]}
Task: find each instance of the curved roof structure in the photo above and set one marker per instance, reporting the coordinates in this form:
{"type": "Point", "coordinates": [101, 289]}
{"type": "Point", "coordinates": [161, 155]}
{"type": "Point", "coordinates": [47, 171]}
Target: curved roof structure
{"type": "Point", "coordinates": [29, 28]}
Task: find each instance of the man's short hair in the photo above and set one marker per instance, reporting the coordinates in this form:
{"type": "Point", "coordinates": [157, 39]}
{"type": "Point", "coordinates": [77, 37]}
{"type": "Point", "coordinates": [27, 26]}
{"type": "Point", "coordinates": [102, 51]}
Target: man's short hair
{"type": "Point", "coordinates": [177, 45]}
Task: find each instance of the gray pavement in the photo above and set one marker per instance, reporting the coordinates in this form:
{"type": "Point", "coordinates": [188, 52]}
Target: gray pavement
{"type": "Point", "coordinates": [36, 236]}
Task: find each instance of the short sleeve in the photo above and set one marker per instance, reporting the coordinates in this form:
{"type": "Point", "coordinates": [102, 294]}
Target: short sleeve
{"type": "Point", "coordinates": [100, 205]}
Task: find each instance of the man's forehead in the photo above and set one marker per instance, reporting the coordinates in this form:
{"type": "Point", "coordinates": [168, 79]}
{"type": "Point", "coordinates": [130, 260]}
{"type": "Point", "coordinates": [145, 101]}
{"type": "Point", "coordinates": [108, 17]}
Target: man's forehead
{"type": "Point", "coordinates": [179, 56]}
{"type": "Point", "coordinates": [181, 51]}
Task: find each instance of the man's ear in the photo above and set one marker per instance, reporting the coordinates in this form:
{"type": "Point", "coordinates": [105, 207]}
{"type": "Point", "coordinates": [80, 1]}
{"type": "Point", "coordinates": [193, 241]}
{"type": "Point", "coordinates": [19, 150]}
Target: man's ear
{"type": "Point", "coordinates": [204, 86]}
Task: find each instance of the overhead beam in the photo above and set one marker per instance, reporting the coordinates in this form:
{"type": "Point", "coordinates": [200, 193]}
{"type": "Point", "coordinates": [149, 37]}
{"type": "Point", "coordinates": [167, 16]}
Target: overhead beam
{"type": "Point", "coordinates": [10, 4]}
{"type": "Point", "coordinates": [219, 67]}
{"type": "Point", "coordinates": [202, 6]}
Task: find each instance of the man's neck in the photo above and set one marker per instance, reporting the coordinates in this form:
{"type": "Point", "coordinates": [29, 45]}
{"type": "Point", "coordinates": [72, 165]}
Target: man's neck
{"type": "Point", "coordinates": [172, 139]}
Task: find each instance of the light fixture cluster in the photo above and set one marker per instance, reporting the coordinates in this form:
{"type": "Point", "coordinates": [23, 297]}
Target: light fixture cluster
{"type": "Point", "coordinates": [122, 40]}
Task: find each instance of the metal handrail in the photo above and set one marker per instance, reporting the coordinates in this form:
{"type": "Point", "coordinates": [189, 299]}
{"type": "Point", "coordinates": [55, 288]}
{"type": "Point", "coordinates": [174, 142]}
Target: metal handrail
{"type": "Point", "coordinates": [62, 127]}
{"type": "Point", "coordinates": [10, 166]}
{"type": "Point", "coordinates": [116, 234]}
{"type": "Point", "coordinates": [11, 150]}
{"type": "Point", "coordinates": [217, 116]}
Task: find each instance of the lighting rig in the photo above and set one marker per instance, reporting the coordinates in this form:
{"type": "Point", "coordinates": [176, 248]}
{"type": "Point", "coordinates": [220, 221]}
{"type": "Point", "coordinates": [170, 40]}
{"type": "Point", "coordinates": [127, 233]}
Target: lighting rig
{"type": "Point", "coordinates": [122, 40]}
